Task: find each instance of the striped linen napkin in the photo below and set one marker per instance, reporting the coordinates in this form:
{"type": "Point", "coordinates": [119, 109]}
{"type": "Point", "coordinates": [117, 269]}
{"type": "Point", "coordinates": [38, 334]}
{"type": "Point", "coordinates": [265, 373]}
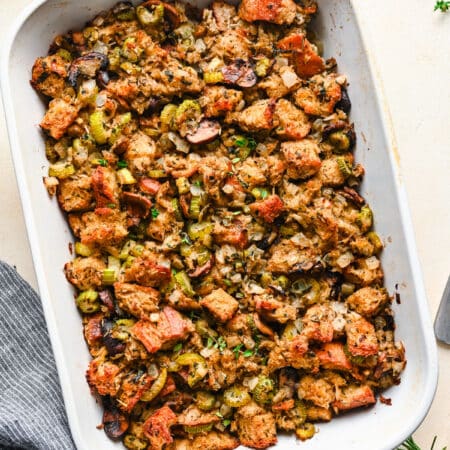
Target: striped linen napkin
{"type": "Point", "coordinates": [32, 415]}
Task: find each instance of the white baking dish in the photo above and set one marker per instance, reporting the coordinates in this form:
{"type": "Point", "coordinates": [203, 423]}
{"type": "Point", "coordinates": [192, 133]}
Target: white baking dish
{"type": "Point", "coordinates": [381, 427]}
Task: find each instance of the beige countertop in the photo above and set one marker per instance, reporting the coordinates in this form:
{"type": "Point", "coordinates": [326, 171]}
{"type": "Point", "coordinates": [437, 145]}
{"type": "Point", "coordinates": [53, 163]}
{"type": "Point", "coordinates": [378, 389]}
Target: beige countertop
{"type": "Point", "coordinates": [410, 44]}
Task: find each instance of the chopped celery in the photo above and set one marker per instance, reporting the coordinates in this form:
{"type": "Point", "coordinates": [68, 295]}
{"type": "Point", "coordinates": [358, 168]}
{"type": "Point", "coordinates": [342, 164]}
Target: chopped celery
{"type": "Point", "coordinates": [197, 364]}
{"type": "Point", "coordinates": [125, 176]}
{"type": "Point", "coordinates": [365, 218]}
{"type": "Point", "coordinates": [61, 170]}
{"type": "Point", "coordinates": [205, 400]}
{"type": "Point", "coordinates": [213, 77]}
{"type": "Point", "coordinates": [87, 301]}
{"type": "Point", "coordinates": [306, 431]}
{"type": "Point", "coordinates": [157, 174]}
{"type": "Point", "coordinates": [130, 50]}
{"type": "Point", "coordinates": [236, 396]}
{"type": "Point", "coordinates": [199, 230]}
{"type": "Point", "coordinates": [82, 249]}
{"type": "Point", "coordinates": [375, 240]}
{"type": "Point", "coordinates": [344, 166]}
{"type": "Point", "coordinates": [168, 113]}
{"type": "Point", "coordinates": [109, 276]}
{"type": "Point", "coordinates": [176, 209]}
{"type": "Point", "coordinates": [339, 140]}
{"type": "Point", "coordinates": [156, 387]}
{"type": "Point", "coordinates": [187, 109]}
{"type": "Point", "coordinates": [183, 185]}
{"type": "Point", "coordinates": [194, 207]}
{"type": "Point", "coordinates": [197, 429]}
{"type": "Point", "coordinates": [137, 250]}
{"type": "Point", "coordinates": [184, 282]}
{"type": "Point", "coordinates": [264, 390]}
{"type": "Point", "coordinates": [262, 66]}
{"type": "Point", "coordinates": [125, 252]}
{"type": "Point", "coordinates": [97, 127]}
{"type": "Point", "coordinates": [146, 17]}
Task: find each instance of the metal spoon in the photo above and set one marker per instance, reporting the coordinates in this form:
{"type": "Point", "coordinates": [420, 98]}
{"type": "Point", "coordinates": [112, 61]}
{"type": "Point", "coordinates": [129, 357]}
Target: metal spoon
{"type": "Point", "coordinates": [442, 321]}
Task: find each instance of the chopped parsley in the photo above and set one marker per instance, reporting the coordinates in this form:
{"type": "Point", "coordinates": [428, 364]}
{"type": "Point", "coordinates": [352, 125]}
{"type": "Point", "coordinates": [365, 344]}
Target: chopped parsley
{"type": "Point", "coordinates": [155, 213]}
{"type": "Point", "coordinates": [236, 350]}
{"type": "Point", "coordinates": [122, 164]}
{"type": "Point", "coordinates": [102, 162]}
{"type": "Point", "coordinates": [178, 347]}
{"type": "Point", "coordinates": [185, 239]}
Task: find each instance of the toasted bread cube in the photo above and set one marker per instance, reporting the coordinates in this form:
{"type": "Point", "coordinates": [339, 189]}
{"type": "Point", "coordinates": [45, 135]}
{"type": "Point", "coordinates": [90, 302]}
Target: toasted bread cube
{"type": "Point", "coordinates": [318, 323]}
{"type": "Point", "coordinates": [145, 332]}
{"type": "Point", "coordinates": [306, 61]}
{"type": "Point", "coordinates": [172, 326]}
{"type": "Point", "coordinates": [147, 272]}
{"type": "Point", "coordinates": [293, 122]}
{"type": "Point", "coordinates": [103, 376]}
{"type": "Point", "coordinates": [268, 209]}
{"type": "Point", "coordinates": [105, 186]}
{"type": "Point", "coordinates": [85, 273]}
{"type": "Point", "coordinates": [318, 414]}
{"type": "Point", "coordinates": [332, 356]}
{"type": "Point", "coordinates": [220, 304]}
{"type": "Point", "coordinates": [234, 234]}
{"type": "Point", "coordinates": [302, 158]}
{"type": "Point", "coordinates": [132, 389]}
{"type": "Point", "coordinates": [157, 427]}
{"type": "Point", "coordinates": [211, 440]}
{"type": "Point", "coordinates": [48, 75]}
{"type": "Point", "coordinates": [59, 116]}
{"type": "Point", "coordinates": [255, 427]}
{"type": "Point", "coordinates": [102, 227]}
{"type": "Point", "coordinates": [354, 397]}
{"type": "Point", "coordinates": [258, 116]}
{"type": "Point", "coordinates": [275, 11]}
{"type": "Point", "coordinates": [361, 338]}
{"type": "Point", "coordinates": [137, 300]}
{"type": "Point", "coordinates": [367, 301]}
{"type": "Point", "coordinates": [316, 390]}
{"type": "Point", "coordinates": [74, 193]}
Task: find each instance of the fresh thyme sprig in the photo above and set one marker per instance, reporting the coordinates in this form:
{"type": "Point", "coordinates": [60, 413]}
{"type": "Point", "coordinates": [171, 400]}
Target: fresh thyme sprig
{"type": "Point", "coordinates": [443, 6]}
{"type": "Point", "coordinates": [409, 444]}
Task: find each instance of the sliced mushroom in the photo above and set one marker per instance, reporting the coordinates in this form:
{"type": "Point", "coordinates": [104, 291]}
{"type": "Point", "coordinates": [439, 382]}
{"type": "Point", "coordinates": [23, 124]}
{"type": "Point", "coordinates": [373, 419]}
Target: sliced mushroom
{"type": "Point", "coordinates": [207, 131]}
{"type": "Point", "coordinates": [202, 270]}
{"type": "Point", "coordinates": [113, 346]}
{"type": "Point", "coordinates": [240, 73]}
{"type": "Point", "coordinates": [138, 205]}
{"type": "Point", "coordinates": [87, 65]}
{"type": "Point", "coordinates": [107, 299]}
{"type": "Point", "coordinates": [353, 196]}
{"type": "Point", "coordinates": [344, 103]}
{"type": "Point", "coordinates": [261, 326]}
{"type": "Point", "coordinates": [115, 422]}
{"type": "Point", "coordinates": [103, 78]}
{"type": "Point", "coordinates": [170, 12]}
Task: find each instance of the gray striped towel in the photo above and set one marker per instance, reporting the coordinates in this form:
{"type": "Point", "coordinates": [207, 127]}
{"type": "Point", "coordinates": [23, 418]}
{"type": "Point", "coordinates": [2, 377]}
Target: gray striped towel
{"type": "Point", "coordinates": [32, 415]}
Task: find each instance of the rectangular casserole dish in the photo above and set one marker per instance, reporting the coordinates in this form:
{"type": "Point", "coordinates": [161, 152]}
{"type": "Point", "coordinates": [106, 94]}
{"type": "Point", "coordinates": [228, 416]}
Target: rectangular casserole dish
{"type": "Point", "coordinates": [380, 427]}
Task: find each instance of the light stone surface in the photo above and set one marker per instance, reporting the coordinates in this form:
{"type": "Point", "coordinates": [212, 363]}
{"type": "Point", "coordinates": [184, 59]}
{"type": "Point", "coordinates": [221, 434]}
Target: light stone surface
{"type": "Point", "coordinates": [410, 44]}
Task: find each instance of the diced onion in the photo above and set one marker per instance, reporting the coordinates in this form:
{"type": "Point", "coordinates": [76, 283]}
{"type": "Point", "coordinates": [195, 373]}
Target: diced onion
{"type": "Point", "coordinates": [196, 191]}
{"type": "Point", "coordinates": [345, 260]}
{"type": "Point", "coordinates": [289, 78]}
{"type": "Point", "coordinates": [372, 263]}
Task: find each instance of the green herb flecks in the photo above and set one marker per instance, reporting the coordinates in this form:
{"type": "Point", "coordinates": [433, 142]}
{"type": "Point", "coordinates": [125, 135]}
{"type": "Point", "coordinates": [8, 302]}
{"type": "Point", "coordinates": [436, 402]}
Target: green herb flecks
{"type": "Point", "coordinates": [443, 6]}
